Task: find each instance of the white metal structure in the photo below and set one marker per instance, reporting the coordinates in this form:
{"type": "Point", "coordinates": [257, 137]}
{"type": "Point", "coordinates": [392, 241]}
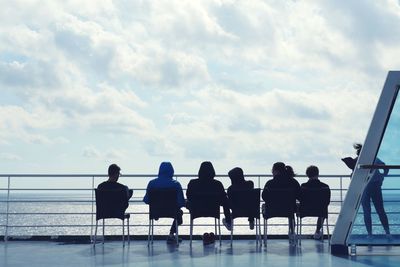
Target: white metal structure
{"type": "Point", "coordinates": [361, 174]}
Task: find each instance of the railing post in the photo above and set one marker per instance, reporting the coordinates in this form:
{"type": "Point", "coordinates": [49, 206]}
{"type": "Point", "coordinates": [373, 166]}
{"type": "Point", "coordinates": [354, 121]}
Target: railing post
{"type": "Point", "coordinates": [91, 224]}
{"type": "Point", "coordinates": [341, 191]}
{"type": "Point", "coordinates": [8, 208]}
{"type": "Point", "coordinates": [259, 181]}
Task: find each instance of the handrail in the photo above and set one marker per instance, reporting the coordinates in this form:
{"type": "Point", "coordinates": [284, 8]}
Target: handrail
{"type": "Point", "coordinates": [10, 200]}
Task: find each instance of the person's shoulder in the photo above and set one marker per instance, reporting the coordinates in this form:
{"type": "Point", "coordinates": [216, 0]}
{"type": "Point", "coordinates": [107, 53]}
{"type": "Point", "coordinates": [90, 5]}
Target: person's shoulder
{"type": "Point", "coordinates": [323, 185]}
{"type": "Point", "coordinates": [304, 185]}
{"type": "Point", "coordinates": [103, 185]}
{"type": "Point", "coordinates": [249, 184]}
{"type": "Point", "coordinates": [217, 182]}
{"type": "Point", "coordinates": [270, 182]}
{"type": "Point", "coordinates": [176, 183]}
{"type": "Point", "coordinates": [295, 182]}
{"type": "Point", "coordinates": [193, 182]}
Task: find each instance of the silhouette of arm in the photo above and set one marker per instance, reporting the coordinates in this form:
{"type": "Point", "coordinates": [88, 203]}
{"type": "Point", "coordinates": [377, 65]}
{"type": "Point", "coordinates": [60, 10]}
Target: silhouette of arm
{"type": "Point", "coordinates": [181, 198]}
{"type": "Point", "coordinates": [146, 196]}
{"type": "Point", "coordinates": [265, 191]}
{"type": "Point", "coordinates": [189, 190]}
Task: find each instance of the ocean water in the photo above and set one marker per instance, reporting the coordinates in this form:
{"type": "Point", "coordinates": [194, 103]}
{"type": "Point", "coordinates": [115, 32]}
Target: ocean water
{"type": "Point", "coordinates": [33, 214]}
{"type": "Point", "coordinates": [26, 217]}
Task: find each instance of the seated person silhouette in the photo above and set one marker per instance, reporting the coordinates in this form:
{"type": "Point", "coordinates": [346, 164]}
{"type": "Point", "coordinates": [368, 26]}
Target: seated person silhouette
{"type": "Point", "coordinates": [283, 180]}
{"type": "Point", "coordinates": [239, 183]}
{"type": "Point", "coordinates": [313, 182]}
{"type": "Point", "coordinates": [112, 184]}
{"type": "Point", "coordinates": [207, 184]}
{"type": "Point", "coordinates": [372, 192]}
{"type": "Point", "coordinates": [165, 180]}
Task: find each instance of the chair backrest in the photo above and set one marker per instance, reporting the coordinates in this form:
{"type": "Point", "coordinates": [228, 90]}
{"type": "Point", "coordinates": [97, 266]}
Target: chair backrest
{"type": "Point", "coordinates": [280, 202]}
{"type": "Point", "coordinates": [111, 203]}
{"type": "Point", "coordinates": [205, 205]}
{"type": "Point", "coordinates": [245, 203]}
{"type": "Point", "coordinates": [163, 203]}
{"type": "Point", "coordinates": [314, 202]}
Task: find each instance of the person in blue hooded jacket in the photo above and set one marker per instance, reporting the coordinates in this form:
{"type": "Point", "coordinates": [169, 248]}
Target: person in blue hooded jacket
{"type": "Point", "coordinates": [165, 180]}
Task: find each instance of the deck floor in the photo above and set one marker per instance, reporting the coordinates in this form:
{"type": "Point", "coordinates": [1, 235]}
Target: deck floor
{"type": "Point", "coordinates": [244, 253]}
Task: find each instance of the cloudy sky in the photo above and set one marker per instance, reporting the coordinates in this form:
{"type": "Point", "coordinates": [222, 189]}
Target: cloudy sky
{"type": "Point", "coordinates": [240, 83]}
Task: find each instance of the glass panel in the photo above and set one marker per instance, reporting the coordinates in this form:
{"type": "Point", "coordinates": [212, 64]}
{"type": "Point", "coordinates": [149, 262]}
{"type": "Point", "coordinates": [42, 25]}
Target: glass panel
{"type": "Point", "coordinates": [378, 218]}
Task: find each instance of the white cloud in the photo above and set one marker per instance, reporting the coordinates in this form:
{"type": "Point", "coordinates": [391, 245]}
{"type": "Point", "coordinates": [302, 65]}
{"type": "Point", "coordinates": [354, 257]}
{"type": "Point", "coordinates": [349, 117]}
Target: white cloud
{"type": "Point", "coordinates": [10, 157]}
{"type": "Point", "coordinates": [225, 80]}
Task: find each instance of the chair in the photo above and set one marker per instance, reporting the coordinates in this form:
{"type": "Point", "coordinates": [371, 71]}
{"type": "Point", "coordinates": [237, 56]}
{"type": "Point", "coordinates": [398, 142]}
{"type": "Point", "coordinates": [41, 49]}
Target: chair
{"type": "Point", "coordinates": [205, 205]}
{"type": "Point", "coordinates": [246, 203]}
{"type": "Point", "coordinates": [163, 204]}
{"type": "Point", "coordinates": [313, 203]}
{"type": "Point", "coordinates": [111, 204]}
{"type": "Point", "coordinates": [279, 203]}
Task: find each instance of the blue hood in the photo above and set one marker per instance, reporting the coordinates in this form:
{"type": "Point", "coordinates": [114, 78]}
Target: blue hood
{"type": "Point", "coordinates": [166, 170]}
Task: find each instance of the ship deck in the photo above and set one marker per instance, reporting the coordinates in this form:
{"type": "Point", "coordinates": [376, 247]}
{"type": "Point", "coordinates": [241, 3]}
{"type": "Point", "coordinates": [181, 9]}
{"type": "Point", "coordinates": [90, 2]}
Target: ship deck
{"type": "Point", "coordinates": [243, 253]}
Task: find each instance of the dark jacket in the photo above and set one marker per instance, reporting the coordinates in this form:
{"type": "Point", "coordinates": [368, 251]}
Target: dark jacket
{"type": "Point", "coordinates": [107, 185]}
{"type": "Point", "coordinates": [238, 181]}
{"type": "Point", "coordinates": [281, 182]}
{"type": "Point", "coordinates": [315, 184]}
{"type": "Point", "coordinates": [165, 180]}
{"type": "Point", "coordinates": [206, 183]}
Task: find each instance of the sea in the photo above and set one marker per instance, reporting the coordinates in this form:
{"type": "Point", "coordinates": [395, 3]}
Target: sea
{"type": "Point", "coordinates": [69, 212]}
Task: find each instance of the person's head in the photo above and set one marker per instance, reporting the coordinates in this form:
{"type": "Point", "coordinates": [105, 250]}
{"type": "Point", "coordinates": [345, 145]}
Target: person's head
{"type": "Point", "coordinates": [206, 171]}
{"type": "Point", "coordinates": [236, 175]}
{"type": "Point", "coordinates": [312, 172]}
{"type": "Point", "coordinates": [357, 147]}
{"type": "Point", "coordinates": [113, 172]}
{"type": "Point", "coordinates": [166, 170]}
{"type": "Point", "coordinates": [278, 168]}
{"type": "Point", "coordinates": [289, 171]}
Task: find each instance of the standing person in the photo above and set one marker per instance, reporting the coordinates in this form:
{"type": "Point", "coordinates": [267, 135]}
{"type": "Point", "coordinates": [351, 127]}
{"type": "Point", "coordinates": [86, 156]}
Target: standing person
{"type": "Point", "coordinates": [114, 171]}
{"type": "Point", "coordinates": [373, 191]}
{"type": "Point", "coordinates": [207, 184]}
{"type": "Point", "coordinates": [165, 180]}
{"type": "Point", "coordinates": [239, 183]}
{"type": "Point", "coordinates": [313, 182]}
{"type": "Point", "coordinates": [281, 180]}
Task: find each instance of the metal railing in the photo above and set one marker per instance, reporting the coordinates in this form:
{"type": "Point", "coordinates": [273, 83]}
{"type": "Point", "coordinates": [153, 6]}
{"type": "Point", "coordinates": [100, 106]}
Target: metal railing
{"type": "Point", "coordinates": [11, 188]}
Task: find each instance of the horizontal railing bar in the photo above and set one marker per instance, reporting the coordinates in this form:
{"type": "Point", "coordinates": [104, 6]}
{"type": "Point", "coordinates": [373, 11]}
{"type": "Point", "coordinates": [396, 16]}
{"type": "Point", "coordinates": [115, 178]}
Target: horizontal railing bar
{"type": "Point", "coordinates": [90, 201]}
{"type": "Point", "coordinates": [137, 213]}
{"type": "Point", "coordinates": [153, 175]}
{"type": "Point", "coordinates": [134, 189]}
{"type": "Point", "coordinates": [138, 225]}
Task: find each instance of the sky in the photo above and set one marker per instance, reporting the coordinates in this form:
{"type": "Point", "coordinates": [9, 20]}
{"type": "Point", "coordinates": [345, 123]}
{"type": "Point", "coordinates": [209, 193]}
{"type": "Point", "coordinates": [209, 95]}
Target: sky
{"type": "Point", "coordinates": [84, 84]}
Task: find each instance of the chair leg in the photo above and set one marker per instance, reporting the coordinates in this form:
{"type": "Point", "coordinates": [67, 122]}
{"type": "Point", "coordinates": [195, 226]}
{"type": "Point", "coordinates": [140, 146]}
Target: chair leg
{"type": "Point", "coordinates": [322, 232]}
{"type": "Point", "coordinates": [231, 231]}
{"type": "Point", "coordinates": [215, 225]}
{"type": "Point", "coordinates": [301, 225]}
{"type": "Point", "coordinates": [148, 236]}
{"type": "Point", "coordinates": [123, 232]}
{"type": "Point", "coordinates": [294, 230]}
{"type": "Point", "coordinates": [255, 220]}
{"type": "Point", "coordinates": [297, 230]}
{"type": "Point", "coordinates": [191, 231]}
{"type": "Point", "coordinates": [265, 231]}
{"type": "Point", "coordinates": [259, 231]}
{"type": "Point", "coordinates": [177, 233]}
{"type": "Point", "coordinates": [327, 231]}
{"type": "Point", "coordinates": [129, 236]}
{"type": "Point", "coordinates": [152, 231]}
{"type": "Point", "coordinates": [103, 231]}
{"type": "Point", "coordinates": [219, 230]}
{"type": "Point", "coordinates": [95, 234]}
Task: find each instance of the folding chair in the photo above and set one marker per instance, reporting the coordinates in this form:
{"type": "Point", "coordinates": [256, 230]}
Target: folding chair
{"type": "Point", "coordinates": [111, 204]}
{"type": "Point", "coordinates": [246, 203]}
